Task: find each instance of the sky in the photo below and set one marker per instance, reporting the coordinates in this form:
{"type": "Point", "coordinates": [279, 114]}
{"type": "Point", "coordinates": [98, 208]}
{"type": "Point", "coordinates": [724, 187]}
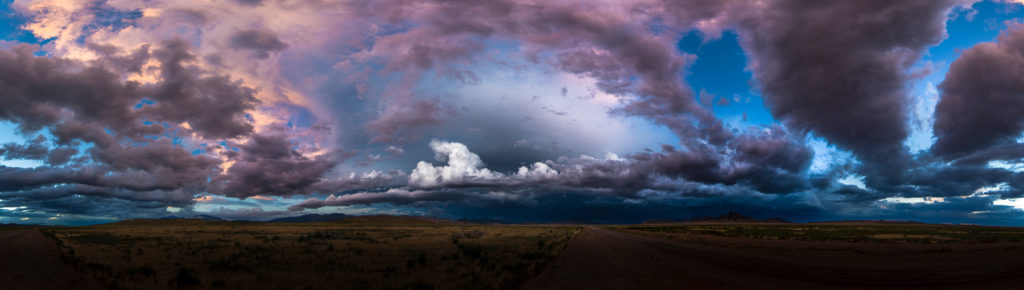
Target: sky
{"type": "Point", "coordinates": [513, 110]}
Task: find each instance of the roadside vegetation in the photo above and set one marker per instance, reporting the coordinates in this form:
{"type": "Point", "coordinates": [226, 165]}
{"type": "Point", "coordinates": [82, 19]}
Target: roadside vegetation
{"type": "Point", "coordinates": [355, 253]}
{"type": "Point", "coordinates": [866, 242]}
{"type": "Point", "coordinates": [892, 233]}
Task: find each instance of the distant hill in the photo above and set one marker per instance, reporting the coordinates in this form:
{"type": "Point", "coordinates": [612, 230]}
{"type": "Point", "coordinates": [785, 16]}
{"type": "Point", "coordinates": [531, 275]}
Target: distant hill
{"type": "Point", "coordinates": [396, 220]}
{"type": "Point", "coordinates": [202, 217]}
{"type": "Point", "coordinates": [731, 217]}
{"type": "Point", "coordinates": [168, 220]}
{"type": "Point", "coordinates": [311, 218]}
{"type": "Point", "coordinates": [871, 222]}
{"type": "Point", "coordinates": [336, 218]}
{"type": "Point", "coordinates": [171, 220]}
{"type": "Point", "coordinates": [484, 221]}
{"type": "Point", "coordinates": [209, 218]}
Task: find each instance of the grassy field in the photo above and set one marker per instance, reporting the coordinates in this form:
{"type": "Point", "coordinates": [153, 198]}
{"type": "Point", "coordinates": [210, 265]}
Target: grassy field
{"type": "Point", "coordinates": [846, 255]}
{"type": "Point", "coordinates": [884, 244]}
{"type": "Point", "coordinates": [891, 233]}
{"type": "Point", "coordinates": [356, 253]}
{"type": "Point", "coordinates": [385, 252]}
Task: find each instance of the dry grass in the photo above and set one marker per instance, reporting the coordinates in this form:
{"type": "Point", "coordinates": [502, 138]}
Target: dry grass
{"type": "Point", "coordinates": [918, 244]}
{"type": "Point", "coordinates": [904, 233]}
{"type": "Point", "coordinates": [6, 229]}
{"type": "Point", "coordinates": [361, 253]}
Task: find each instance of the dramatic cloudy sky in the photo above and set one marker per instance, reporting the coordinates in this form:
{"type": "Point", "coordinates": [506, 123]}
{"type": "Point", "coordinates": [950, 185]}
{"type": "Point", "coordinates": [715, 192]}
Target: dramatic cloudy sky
{"type": "Point", "coordinates": [520, 110]}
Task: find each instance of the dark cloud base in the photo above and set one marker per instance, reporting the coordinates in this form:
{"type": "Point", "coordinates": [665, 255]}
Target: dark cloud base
{"type": "Point", "coordinates": [834, 70]}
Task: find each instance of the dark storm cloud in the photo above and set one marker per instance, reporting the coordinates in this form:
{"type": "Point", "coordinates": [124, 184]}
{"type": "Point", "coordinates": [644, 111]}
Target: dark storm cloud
{"type": "Point", "coordinates": [267, 165]}
{"type": "Point", "coordinates": [128, 128]}
{"type": "Point", "coordinates": [90, 207]}
{"type": "Point", "coordinates": [976, 122]}
{"type": "Point", "coordinates": [982, 100]}
{"type": "Point", "coordinates": [250, 2]}
{"type": "Point", "coordinates": [769, 161]}
{"type": "Point", "coordinates": [61, 155]}
{"type": "Point", "coordinates": [83, 101]}
{"type": "Point", "coordinates": [18, 179]}
{"type": "Point", "coordinates": [190, 16]}
{"type": "Point", "coordinates": [370, 180]}
{"type": "Point", "coordinates": [213, 105]}
{"type": "Point", "coordinates": [618, 51]}
{"type": "Point", "coordinates": [772, 162]}
{"type": "Point", "coordinates": [261, 42]}
{"type": "Point", "coordinates": [615, 48]}
{"type": "Point", "coordinates": [86, 190]}
{"type": "Point", "coordinates": [158, 165]}
{"type": "Point", "coordinates": [39, 92]}
{"type": "Point", "coordinates": [35, 149]}
{"type": "Point", "coordinates": [839, 69]}
{"type": "Point", "coordinates": [114, 60]}
{"type": "Point", "coordinates": [45, 194]}
{"type": "Point", "coordinates": [962, 181]}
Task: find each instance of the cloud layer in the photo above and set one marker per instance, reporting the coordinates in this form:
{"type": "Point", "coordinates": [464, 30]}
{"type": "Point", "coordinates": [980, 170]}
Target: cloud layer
{"type": "Point", "coordinates": [495, 109]}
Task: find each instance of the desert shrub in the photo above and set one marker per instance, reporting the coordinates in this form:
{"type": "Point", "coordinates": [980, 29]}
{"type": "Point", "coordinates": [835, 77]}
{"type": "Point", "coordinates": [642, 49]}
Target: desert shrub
{"type": "Point", "coordinates": [471, 251]}
{"type": "Point", "coordinates": [97, 238]}
{"type": "Point", "coordinates": [324, 255]}
{"type": "Point", "coordinates": [468, 234]}
{"type": "Point", "coordinates": [185, 278]}
{"type": "Point", "coordinates": [421, 285]}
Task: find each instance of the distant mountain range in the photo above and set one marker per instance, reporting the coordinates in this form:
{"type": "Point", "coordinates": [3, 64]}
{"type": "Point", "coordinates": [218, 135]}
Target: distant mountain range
{"type": "Point", "coordinates": [483, 221]}
{"type": "Point", "coordinates": [731, 217]}
{"type": "Point", "coordinates": [874, 222]}
{"type": "Point", "coordinates": [311, 218]}
{"type": "Point", "coordinates": [202, 217]}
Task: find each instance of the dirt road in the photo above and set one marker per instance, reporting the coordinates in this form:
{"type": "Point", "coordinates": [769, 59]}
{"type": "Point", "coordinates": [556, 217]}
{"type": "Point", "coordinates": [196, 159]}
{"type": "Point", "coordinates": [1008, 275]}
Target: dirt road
{"type": "Point", "coordinates": [604, 259]}
{"type": "Point", "coordinates": [30, 260]}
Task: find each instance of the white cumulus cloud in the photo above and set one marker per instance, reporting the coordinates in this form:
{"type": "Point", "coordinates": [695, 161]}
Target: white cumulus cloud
{"type": "Point", "coordinates": [462, 166]}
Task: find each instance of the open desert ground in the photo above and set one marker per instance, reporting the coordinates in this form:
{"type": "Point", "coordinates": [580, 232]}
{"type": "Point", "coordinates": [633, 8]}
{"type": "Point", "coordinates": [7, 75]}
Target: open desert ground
{"type": "Point", "coordinates": [415, 253]}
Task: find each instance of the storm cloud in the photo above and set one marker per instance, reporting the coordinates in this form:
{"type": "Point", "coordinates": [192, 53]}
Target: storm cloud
{"type": "Point", "coordinates": [507, 109]}
{"type": "Point", "coordinates": [267, 165]}
{"type": "Point", "coordinates": [261, 43]}
{"type": "Point", "coordinates": [982, 97]}
{"type": "Point", "coordinates": [840, 70]}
